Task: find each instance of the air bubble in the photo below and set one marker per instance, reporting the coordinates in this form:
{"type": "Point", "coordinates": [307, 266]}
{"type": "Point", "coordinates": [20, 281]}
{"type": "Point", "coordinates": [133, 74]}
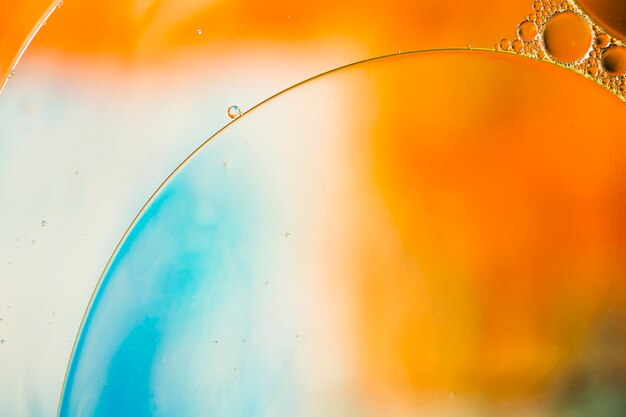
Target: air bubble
{"type": "Point", "coordinates": [44, 223]}
{"type": "Point", "coordinates": [537, 6]}
{"type": "Point", "coordinates": [592, 70]}
{"type": "Point", "coordinates": [614, 60]}
{"type": "Point", "coordinates": [505, 44]}
{"type": "Point", "coordinates": [517, 45]}
{"type": "Point", "coordinates": [234, 112]}
{"type": "Point", "coordinates": [199, 31]}
{"type": "Point", "coordinates": [527, 30]}
{"type": "Point", "coordinates": [603, 40]}
{"type": "Point", "coordinates": [567, 37]}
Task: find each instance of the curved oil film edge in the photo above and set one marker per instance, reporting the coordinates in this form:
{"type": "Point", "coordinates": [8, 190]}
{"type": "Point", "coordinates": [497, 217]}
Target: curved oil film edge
{"type": "Point", "coordinates": [29, 39]}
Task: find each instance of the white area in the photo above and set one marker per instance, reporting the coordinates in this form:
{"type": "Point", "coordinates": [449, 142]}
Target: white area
{"type": "Point", "coordinates": [83, 148]}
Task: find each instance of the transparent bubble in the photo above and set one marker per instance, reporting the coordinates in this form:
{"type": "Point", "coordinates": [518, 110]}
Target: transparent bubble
{"type": "Point", "coordinates": [234, 112]}
{"type": "Point", "coordinates": [614, 60]}
{"type": "Point", "coordinates": [44, 223]}
{"type": "Point", "coordinates": [592, 70]}
{"type": "Point", "coordinates": [527, 30]}
{"type": "Point", "coordinates": [567, 37]}
{"type": "Point", "coordinates": [603, 40]}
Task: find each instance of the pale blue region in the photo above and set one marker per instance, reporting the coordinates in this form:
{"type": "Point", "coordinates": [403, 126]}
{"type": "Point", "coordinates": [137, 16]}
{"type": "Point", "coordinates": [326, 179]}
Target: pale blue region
{"type": "Point", "coordinates": [191, 253]}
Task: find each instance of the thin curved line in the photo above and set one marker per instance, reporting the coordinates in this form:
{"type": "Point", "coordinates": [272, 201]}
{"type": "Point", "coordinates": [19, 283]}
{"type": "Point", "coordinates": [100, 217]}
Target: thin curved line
{"type": "Point", "coordinates": [223, 128]}
{"type": "Point", "coordinates": [28, 41]}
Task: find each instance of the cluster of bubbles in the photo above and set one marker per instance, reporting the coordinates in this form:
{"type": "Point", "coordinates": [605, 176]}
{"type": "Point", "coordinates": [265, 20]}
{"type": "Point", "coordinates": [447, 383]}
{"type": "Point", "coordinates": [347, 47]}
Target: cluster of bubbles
{"type": "Point", "coordinates": [561, 32]}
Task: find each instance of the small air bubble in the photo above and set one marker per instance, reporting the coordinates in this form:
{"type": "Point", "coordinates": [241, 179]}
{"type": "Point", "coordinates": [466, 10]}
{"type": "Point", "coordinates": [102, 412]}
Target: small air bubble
{"type": "Point", "coordinates": [44, 223]}
{"type": "Point", "coordinates": [517, 45]}
{"type": "Point", "coordinates": [199, 31]}
{"type": "Point", "coordinates": [592, 70]}
{"type": "Point", "coordinates": [614, 60]}
{"type": "Point", "coordinates": [505, 44]}
{"type": "Point", "coordinates": [527, 30]}
{"type": "Point", "coordinates": [234, 112]}
{"type": "Point", "coordinates": [603, 40]}
{"type": "Point", "coordinates": [287, 234]}
{"type": "Point", "coordinates": [2, 342]}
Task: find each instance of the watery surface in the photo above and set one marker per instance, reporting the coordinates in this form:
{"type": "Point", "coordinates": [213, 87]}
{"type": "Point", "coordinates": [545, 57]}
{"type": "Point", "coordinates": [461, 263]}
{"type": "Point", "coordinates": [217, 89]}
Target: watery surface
{"type": "Point", "coordinates": [458, 257]}
{"type": "Point", "coordinates": [437, 234]}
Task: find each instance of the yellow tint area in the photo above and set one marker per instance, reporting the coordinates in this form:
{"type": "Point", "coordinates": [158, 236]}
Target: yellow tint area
{"type": "Point", "coordinates": [501, 183]}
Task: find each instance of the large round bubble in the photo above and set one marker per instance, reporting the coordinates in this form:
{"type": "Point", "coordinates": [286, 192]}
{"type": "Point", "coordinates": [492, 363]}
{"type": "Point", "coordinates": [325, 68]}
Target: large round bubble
{"type": "Point", "coordinates": [401, 236]}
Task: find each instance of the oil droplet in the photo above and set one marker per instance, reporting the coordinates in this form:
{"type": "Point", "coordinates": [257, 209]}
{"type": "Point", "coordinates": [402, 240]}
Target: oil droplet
{"type": "Point", "coordinates": [234, 112]}
{"type": "Point", "coordinates": [614, 60]}
{"type": "Point", "coordinates": [592, 70]}
{"type": "Point", "coordinates": [517, 45]}
{"type": "Point", "coordinates": [603, 40]}
{"type": "Point", "coordinates": [505, 44]}
{"type": "Point", "coordinates": [527, 31]}
{"type": "Point", "coordinates": [199, 31]}
{"type": "Point", "coordinates": [44, 223]}
{"type": "Point", "coordinates": [567, 37]}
